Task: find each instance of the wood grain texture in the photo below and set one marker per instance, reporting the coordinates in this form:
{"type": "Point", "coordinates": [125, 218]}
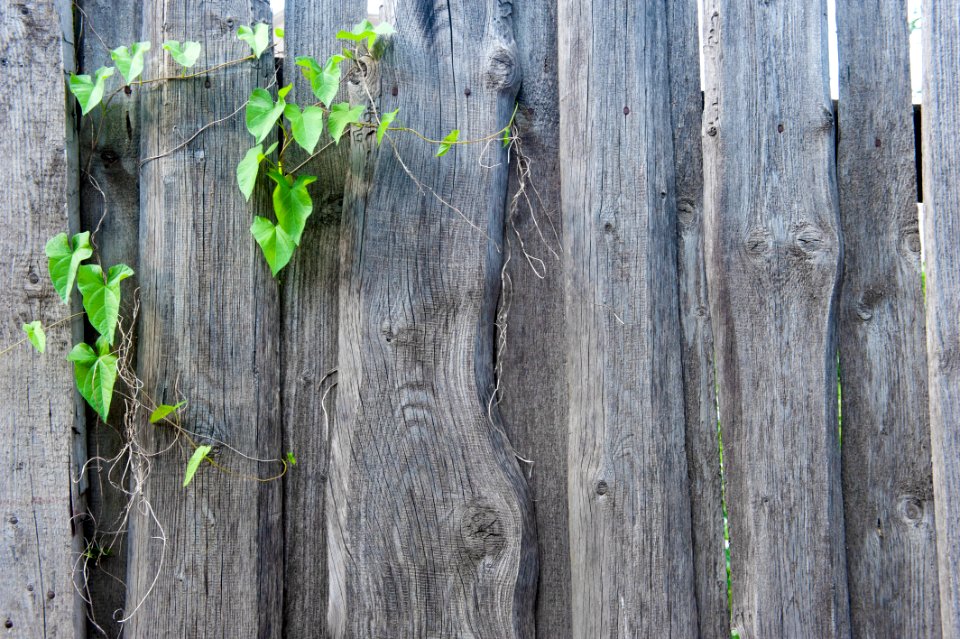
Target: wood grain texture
{"type": "Point", "coordinates": [310, 308]}
{"type": "Point", "coordinates": [887, 483]}
{"type": "Point", "coordinates": [941, 198]}
{"type": "Point", "coordinates": [40, 424]}
{"type": "Point", "coordinates": [630, 539]}
{"type": "Point", "coordinates": [773, 264]}
{"type": "Point", "coordinates": [699, 387]}
{"type": "Point", "coordinates": [431, 530]}
{"type": "Point", "coordinates": [531, 351]}
{"type": "Point", "coordinates": [208, 334]}
{"type": "Point", "coordinates": [110, 207]}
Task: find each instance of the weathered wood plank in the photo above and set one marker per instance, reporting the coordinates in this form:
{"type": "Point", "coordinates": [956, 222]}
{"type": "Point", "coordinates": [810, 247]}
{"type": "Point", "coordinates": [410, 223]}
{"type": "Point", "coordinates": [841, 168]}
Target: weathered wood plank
{"type": "Point", "coordinates": [110, 209]}
{"type": "Point", "coordinates": [309, 295]}
{"type": "Point", "coordinates": [431, 530]}
{"type": "Point", "coordinates": [208, 332]}
{"type": "Point", "coordinates": [887, 483]}
{"type": "Point", "coordinates": [699, 388]}
{"type": "Point", "coordinates": [941, 197]}
{"type": "Point", "coordinates": [773, 262]}
{"type": "Point", "coordinates": [531, 351]}
{"type": "Point", "coordinates": [39, 416]}
{"type": "Point", "coordinates": [631, 550]}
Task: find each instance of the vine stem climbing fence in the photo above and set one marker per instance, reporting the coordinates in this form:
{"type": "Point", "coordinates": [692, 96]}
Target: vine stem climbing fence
{"type": "Point", "coordinates": [489, 393]}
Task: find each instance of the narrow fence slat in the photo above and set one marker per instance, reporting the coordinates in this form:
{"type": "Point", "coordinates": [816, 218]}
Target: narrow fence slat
{"type": "Point", "coordinates": [531, 354]}
{"type": "Point", "coordinates": [38, 412]}
{"type": "Point", "coordinates": [773, 258]}
{"type": "Point", "coordinates": [631, 550]}
{"type": "Point", "coordinates": [110, 210]}
{"type": "Point", "coordinates": [430, 525]}
{"type": "Point", "coordinates": [699, 388]}
{"type": "Point", "coordinates": [310, 310]}
{"type": "Point", "coordinates": [208, 335]}
{"type": "Point", "coordinates": [887, 483]}
{"type": "Point", "coordinates": [941, 197]}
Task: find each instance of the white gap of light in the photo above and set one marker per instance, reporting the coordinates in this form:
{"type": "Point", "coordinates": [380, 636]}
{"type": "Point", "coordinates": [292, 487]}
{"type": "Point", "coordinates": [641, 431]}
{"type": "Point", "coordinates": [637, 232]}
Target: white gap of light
{"type": "Point", "coordinates": [373, 7]}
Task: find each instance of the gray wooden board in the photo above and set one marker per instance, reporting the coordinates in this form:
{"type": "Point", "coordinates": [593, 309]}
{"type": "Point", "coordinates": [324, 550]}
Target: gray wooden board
{"type": "Point", "coordinates": [309, 288]}
{"type": "Point", "coordinates": [208, 335]}
{"type": "Point", "coordinates": [773, 262]}
{"type": "Point", "coordinates": [110, 209]}
{"type": "Point", "coordinates": [431, 529]}
{"type": "Point", "coordinates": [37, 393]}
{"type": "Point", "coordinates": [941, 197]}
{"type": "Point", "coordinates": [630, 540]}
{"type": "Point", "coordinates": [699, 388]}
{"type": "Point", "coordinates": [887, 483]}
{"type": "Point", "coordinates": [531, 352]}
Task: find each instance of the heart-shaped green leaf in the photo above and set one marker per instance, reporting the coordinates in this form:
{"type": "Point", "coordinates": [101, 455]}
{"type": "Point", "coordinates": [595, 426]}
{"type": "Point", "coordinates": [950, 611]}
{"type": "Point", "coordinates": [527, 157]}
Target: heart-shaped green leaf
{"type": "Point", "coordinates": [35, 334]}
{"type": "Point", "coordinates": [87, 90]}
{"type": "Point", "coordinates": [306, 125]}
{"type": "Point", "coordinates": [130, 60]}
{"type": "Point", "coordinates": [96, 376]}
{"type": "Point", "coordinates": [258, 37]}
{"type": "Point", "coordinates": [386, 119]}
{"type": "Point", "coordinates": [277, 246]}
{"type": "Point", "coordinates": [186, 55]}
{"type": "Point", "coordinates": [365, 31]}
{"type": "Point", "coordinates": [249, 168]}
{"type": "Point", "coordinates": [325, 80]}
{"type": "Point", "coordinates": [101, 298]}
{"type": "Point", "coordinates": [198, 455]}
{"type": "Point", "coordinates": [64, 261]}
{"type": "Point", "coordinates": [165, 410]}
{"type": "Point", "coordinates": [447, 142]}
{"type": "Point", "coordinates": [263, 112]}
{"type": "Point", "coordinates": [341, 116]}
{"type": "Point", "coordinates": [292, 203]}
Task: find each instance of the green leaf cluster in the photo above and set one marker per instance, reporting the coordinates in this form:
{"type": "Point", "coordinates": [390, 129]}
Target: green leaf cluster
{"type": "Point", "coordinates": [365, 32]}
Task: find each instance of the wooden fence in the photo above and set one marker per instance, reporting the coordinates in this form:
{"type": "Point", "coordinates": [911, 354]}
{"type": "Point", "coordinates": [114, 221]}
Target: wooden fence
{"type": "Point", "coordinates": [500, 372]}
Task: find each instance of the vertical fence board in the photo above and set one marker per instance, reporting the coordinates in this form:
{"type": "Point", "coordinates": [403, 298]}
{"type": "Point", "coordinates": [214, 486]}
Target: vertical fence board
{"type": "Point", "coordinates": [36, 391]}
{"type": "Point", "coordinates": [699, 388]}
{"type": "Point", "coordinates": [309, 339]}
{"type": "Point", "coordinates": [110, 207]}
{"type": "Point", "coordinates": [430, 525]}
{"type": "Point", "coordinates": [941, 198]}
{"type": "Point", "coordinates": [531, 354]}
{"type": "Point", "coordinates": [887, 483]}
{"type": "Point", "coordinates": [773, 257]}
{"type": "Point", "coordinates": [631, 549]}
{"type": "Point", "coordinates": [209, 335]}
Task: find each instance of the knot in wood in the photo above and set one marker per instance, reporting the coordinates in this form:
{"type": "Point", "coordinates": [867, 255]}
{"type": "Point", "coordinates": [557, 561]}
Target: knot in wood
{"type": "Point", "coordinates": [503, 68]}
{"type": "Point", "coordinates": [481, 532]}
{"type": "Point", "coordinates": [910, 508]}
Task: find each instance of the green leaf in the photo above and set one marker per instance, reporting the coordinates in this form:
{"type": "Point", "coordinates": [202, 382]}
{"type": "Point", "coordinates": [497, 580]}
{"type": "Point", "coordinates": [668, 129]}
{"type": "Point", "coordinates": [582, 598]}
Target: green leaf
{"type": "Point", "coordinates": [96, 376]}
{"type": "Point", "coordinates": [164, 410]}
{"type": "Point", "coordinates": [249, 168]}
{"type": "Point", "coordinates": [35, 334]}
{"type": "Point", "coordinates": [89, 91]}
{"type": "Point", "coordinates": [277, 246]}
{"type": "Point", "coordinates": [101, 298]}
{"type": "Point", "coordinates": [278, 32]}
{"type": "Point", "coordinates": [263, 112]}
{"type": "Point", "coordinates": [292, 203]}
{"type": "Point", "coordinates": [386, 119]}
{"type": "Point", "coordinates": [325, 80]}
{"type": "Point", "coordinates": [341, 116]}
{"type": "Point", "coordinates": [198, 456]}
{"type": "Point", "coordinates": [185, 55]}
{"type": "Point", "coordinates": [365, 31]}
{"type": "Point", "coordinates": [130, 60]}
{"type": "Point", "coordinates": [291, 459]}
{"type": "Point", "coordinates": [306, 125]}
{"type": "Point", "coordinates": [258, 37]}
{"type": "Point", "coordinates": [447, 142]}
{"type": "Point", "coordinates": [64, 260]}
